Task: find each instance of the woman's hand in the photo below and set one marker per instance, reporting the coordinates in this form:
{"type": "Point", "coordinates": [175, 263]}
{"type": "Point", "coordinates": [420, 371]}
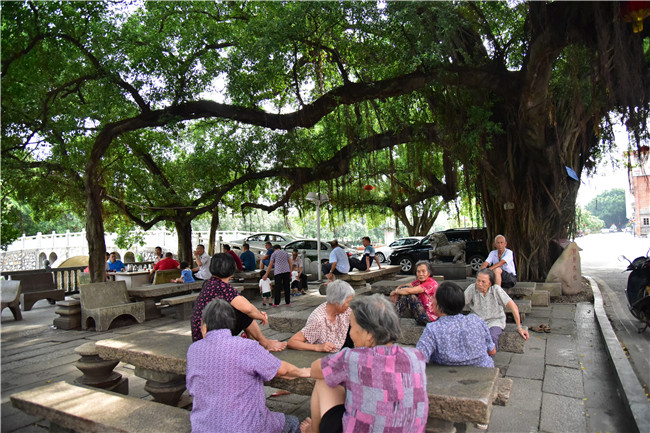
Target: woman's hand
{"type": "Point", "coordinates": [394, 296]}
{"type": "Point", "coordinates": [326, 347]}
{"type": "Point", "coordinates": [264, 319]}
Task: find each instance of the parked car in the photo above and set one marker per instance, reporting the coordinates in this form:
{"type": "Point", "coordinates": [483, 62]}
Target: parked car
{"type": "Point", "coordinates": [257, 241]}
{"type": "Point", "coordinates": [476, 250]}
{"type": "Point", "coordinates": [383, 253]}
{"type": "Point", "coordinates": [309, 246]}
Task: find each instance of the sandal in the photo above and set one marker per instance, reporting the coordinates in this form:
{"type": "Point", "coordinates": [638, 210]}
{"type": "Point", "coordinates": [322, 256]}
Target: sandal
{"type": "Point", "coordinates": [541, 328]}
{"type": "Point", "coordinates": [545, 327]}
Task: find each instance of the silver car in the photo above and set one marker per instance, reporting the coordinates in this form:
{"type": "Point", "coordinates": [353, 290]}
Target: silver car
{"type": "Point", "coordinates": [383, 253]}
{"type": "Point", "coordinates": [309, 246]}
{"type": "Point", "coordinates": [256, 241]}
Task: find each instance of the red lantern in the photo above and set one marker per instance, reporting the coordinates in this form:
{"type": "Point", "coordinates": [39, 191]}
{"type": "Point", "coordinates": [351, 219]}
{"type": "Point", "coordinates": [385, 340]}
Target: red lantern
{"type": "Point", "coordinates": [635, 12]}
{"type": "Point", "coordinates": [418, 184]}
{"type": "Point", "coordinates": [368, 187]}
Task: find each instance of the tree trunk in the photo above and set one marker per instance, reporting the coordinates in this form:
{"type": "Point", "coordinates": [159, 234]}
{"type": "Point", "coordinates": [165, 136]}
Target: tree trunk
{"type": "Point", "coordinates": [95, 231]}
{"type": "Point", "coordinates": [184, 232]}
{"type": "Point", "coordinates": [214, 226]}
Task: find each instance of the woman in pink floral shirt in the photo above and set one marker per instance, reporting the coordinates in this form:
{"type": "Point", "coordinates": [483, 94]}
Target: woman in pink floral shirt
{"type": "Point", "coordinates": [416, 299]}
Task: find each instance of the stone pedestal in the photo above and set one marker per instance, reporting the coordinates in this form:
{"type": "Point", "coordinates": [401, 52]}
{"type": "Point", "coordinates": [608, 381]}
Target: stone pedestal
{"type": "Point", "coordinates": [452, 271]}
{"type": "Point", "coordinates": [98, 372]}
{"type": "Point", "coordinates": [70, 314]}
{"type": "Point", "coordinates": [166, 388]}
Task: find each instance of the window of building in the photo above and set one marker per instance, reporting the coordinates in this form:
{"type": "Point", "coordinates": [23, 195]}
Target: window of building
{"type": "Point", "coordinates": [646, 221]}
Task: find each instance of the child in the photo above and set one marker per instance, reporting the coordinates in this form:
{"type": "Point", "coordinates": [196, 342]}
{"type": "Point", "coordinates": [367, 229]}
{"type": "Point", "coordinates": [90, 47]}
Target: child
{"type": "Point", "coordinates": [186, 274]}
{"type": "Point", "coordinates": [265, 290]}
{"type": "Point", "coordinates": [295, 282]}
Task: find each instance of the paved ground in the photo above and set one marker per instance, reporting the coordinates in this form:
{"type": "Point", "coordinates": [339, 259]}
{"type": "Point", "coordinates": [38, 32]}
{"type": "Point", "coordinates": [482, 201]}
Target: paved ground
{"type": "Point", "coordinates": [562, 383]}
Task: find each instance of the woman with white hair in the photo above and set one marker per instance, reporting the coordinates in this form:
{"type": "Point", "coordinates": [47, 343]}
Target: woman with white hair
{"type": "Point", "coordinates": [378, 386]}
{"type": "Point", "coordinates": [327, 327]}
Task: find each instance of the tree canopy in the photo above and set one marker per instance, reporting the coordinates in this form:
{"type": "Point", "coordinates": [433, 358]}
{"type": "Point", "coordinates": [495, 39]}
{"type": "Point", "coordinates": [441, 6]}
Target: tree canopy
{"type": "Point", "coordinates": [162, 111]}
{"type": "Point", "coordinates": [609, 206]}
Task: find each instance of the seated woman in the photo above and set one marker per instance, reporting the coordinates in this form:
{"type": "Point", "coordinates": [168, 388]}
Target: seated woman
{"type": "Point", "coordinates": [416, 299]}
{"type": "Point", "coordinates": [377, 386]}
{"type": "Point", "coordinates": [488, 301]}
{"type": "Point", "coordinates": [226, 374]}
{"type": "Point", "coordinates": [222, 268]}
{"type": "Point", "coordinates": [455, 339]}
{"type": "Point", "coordinates": [327, 327]}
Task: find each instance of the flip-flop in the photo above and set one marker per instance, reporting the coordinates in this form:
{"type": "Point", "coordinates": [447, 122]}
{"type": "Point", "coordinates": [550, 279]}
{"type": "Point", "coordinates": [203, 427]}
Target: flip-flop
{"type": "Point", "coordinates": [545, 327]}
{"type": "Point", "coordinates": [538, 328]}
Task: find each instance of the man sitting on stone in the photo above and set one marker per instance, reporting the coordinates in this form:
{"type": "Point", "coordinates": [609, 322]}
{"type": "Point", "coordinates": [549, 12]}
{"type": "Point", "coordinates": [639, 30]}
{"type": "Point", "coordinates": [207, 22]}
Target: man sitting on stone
{"type": "Point", "coordinates": [368, 257]}
{"type": "Point", "coordinates": [202, 270]}
{"type": "Point", "coordinates": [247, 258]}
{"type": "Point", "coordinates": [338, 262]}
{"type": "Point", "coordinates": [502, 262]}
{"type": "Point", "coordinates": [266, 258]}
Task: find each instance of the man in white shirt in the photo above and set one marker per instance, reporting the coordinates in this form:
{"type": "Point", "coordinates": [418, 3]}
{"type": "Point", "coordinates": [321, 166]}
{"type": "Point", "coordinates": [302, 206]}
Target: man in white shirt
{"type": "Point", "coordinates": [502, 262]}
{"type": "Point", "coordinates": [339, 263]}
{"type": "Point", "coordinates": [202, 271]}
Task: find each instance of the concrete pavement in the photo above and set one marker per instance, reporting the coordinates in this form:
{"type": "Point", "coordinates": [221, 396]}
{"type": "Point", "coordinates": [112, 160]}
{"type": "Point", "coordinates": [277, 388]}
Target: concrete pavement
{"type": "Point", "coordinates": [564, 382]}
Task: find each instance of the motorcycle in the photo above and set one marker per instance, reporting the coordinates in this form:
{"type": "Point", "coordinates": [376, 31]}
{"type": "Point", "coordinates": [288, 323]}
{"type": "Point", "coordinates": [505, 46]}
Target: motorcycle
{"type": "Point", "coordinates": [638, 289]}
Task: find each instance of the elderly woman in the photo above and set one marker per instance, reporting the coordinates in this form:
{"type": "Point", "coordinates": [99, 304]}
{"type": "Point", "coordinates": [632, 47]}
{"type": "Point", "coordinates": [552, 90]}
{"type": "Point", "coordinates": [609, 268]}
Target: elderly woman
{"type": "Point", "coordinates": [327, 327]}
{"type": "Point", "coordinates": [455, 339]}
{"type": "Point", "coordinates": [222, 268]}
{"type": "Point", "coordinates": [377, 386]}
{"type": "Point", "coordinates": [226, 375]}
{"type": "Point", "coordinates": [416, 299]}
{"type": "Point", "coordinates": [488, 300]}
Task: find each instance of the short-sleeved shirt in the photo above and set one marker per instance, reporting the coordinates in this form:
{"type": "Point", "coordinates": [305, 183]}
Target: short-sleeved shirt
{"type": "Point", "coordinates": [165, 264]}
{"type": "Point", "coordinates": [341, 258]}
{"type": "Point", "coordinates": [186, 275]}
{"type": "Point", "coordinates": [265, 285]}
{"type": "Point", "coordinates": [319, 329]}
{"type": "Point", "coordinates": [117, 266]}
{"type": "Point", "coordinates": [489, 307]}
{"type": "Point", "coordinates": [298, 262]}
{"type": "Point", "coordinates": [509, 266]}
{"type": "Point", "coordinates": [280, 260]}
{"type": "Point", "coordinates": [386, 388]}
{"type": "Point", "coordinates": [269, 253]}
{"type": "Point", "coordinates": [226, 376]}
{"type": "Point", "coordinates": [457, 340]}
{"type": "Point", "coordinates": [369, 252]}
{"type": "Point", "coordinates": [430, 286]}
{"type": "Point", "coordinates": [248, 260]}
{"type": "Point", "coordinates": [212, 288]}
{"type": "Point", "coordinates": [204, 270]}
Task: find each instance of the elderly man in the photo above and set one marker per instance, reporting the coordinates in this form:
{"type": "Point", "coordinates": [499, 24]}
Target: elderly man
{"type": "Point", "coordinates": [202, 271]}
{"type": "Point", "coordinates": [488, 301]}
{"type": "Point", "coordinates": [339, 263]}
{"type": "Point", "coordinates": [502, 262]}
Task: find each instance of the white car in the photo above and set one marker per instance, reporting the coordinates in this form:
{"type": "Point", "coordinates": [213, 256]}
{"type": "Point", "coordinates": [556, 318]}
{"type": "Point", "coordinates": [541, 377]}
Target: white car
{"type": "Point", "coordinates": [309, 246]}
{"type": "Point", "coordinates": [256, 241]}
{"type": "Point", "coordinates": [383, 253]}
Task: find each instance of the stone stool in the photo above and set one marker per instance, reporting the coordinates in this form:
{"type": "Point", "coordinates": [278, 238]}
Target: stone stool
{"type": "Point", "coordinates": [70, 314]}
{"type": "Point", "coordinates": [98, 372]}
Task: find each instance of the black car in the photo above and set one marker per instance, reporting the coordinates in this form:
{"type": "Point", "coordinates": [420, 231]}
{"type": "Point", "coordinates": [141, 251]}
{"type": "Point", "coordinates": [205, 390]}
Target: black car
{"type": "Point", "coordinates": [476, 250]}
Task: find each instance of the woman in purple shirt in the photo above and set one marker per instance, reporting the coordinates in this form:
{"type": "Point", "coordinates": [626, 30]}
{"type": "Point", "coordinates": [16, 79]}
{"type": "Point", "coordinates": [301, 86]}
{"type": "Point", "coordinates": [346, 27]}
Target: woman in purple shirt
{"type": "Point", "coordinates": [222, 268]}
{"type": "Point", "coordinates": [377, 386]}
{"type": "Point", "coordinates": [226, 375]}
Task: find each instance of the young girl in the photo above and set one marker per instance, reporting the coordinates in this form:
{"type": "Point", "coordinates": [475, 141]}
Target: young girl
{"type": "Point", "coordinates": [295, 282]}
{"type": "Point", "coordinates": [186, 274]}
{"type": "Point", "coordinates": [265, 290]}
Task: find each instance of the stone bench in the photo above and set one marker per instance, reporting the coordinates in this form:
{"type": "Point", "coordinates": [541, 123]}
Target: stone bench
{"type": "Point", "coordinates": [10, 297]}
{"type": "Point", "coordinates": [83, 409]}
{"type": "Point", "coordinates": [165, 276]}
{"type": "Point", "coordinates": [35, 286]}
{"type": "Point", "coordinates": [104, 302]}
{"type": "Point", "coordinates": [358, 279]}
{"type": "Point", "coordinates": [183, 305]}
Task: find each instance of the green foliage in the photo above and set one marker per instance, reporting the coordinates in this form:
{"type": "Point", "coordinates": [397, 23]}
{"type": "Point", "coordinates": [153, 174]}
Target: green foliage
{"type": "Point", "coordinates": [588, 222]}
{"type": "Point", "coordinates": [609, 206]}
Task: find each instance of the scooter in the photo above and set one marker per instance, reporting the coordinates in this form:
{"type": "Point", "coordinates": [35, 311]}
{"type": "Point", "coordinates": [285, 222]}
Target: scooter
{"type": "Point", "coordinates": [638, 289]}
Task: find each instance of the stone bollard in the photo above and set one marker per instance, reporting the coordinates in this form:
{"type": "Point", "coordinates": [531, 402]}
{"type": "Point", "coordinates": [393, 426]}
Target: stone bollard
{"type": "Point", "coordinates": [70, 314]}
{"type": "Point", "coordinates": [98, 372]}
